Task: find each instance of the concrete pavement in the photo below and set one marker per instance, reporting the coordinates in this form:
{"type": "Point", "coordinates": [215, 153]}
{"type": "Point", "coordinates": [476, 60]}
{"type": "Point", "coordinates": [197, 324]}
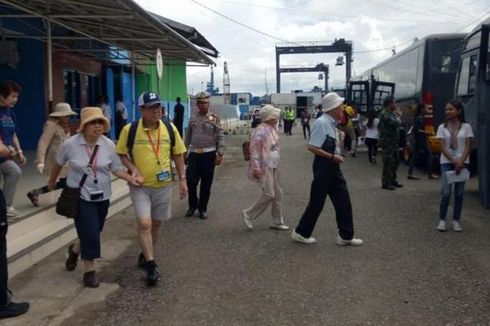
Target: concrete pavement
{"type": "Point", "coordinates": [215, 272]}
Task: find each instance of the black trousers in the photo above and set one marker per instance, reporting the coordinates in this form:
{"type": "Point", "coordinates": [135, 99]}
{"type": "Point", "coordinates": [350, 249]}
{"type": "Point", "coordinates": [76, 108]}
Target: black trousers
{"type": "Point", "coordinates": [3, 252]}
{"type": "Point", "coordinates": [327, 180]}
{"type": "Point", "coordinates": [200, 167]}
{"type": "Point", "coordinates": [372, 145]}
{"type": "Point", "coordinates": [306, 127]}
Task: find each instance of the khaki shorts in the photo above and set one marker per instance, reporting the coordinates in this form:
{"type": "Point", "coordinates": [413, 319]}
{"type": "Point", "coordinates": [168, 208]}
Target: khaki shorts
{"type": "Point", "coordinates": [151, 202]}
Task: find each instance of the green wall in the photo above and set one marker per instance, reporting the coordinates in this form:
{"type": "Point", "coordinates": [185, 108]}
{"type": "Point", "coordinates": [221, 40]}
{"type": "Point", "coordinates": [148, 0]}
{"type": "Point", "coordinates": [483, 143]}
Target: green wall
{"type": "Point", "coordinates": [172, 84]}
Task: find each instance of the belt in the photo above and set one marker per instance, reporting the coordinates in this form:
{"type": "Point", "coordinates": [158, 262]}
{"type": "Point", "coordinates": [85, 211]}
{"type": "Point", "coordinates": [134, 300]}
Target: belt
{"type": "Point", "coordinates": [201, 150]}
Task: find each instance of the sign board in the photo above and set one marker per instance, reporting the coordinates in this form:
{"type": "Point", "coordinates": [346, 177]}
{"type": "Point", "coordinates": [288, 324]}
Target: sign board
{"type": "Point", "coordinates": [159, 64]}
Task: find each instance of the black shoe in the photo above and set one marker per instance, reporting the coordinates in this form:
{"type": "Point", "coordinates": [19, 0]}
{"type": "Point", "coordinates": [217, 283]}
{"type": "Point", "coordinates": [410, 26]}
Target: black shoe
{"type": "Point", "coordinates": [190, 212]}
{"type": "Point", "coordinates": [396, 184]}
{"type": "Point", "coordinates": [152, 273]}
{"type": "Point", "coordinates": [90, 279]}
{"type": "Point", "coordinates": [412, 177]}
{"type": "Point", "coordinates": [72, 260]}
{"type": "Point", "coordinates": [14, 309]}
{"type": "Point", "coordinates": [33, 197]}
{"type": "Point", "coordinates": [203, 215]}
{"type": "Point", "coordinates": [141, 260]}
{"type": "Point", "coordinates": [388, 187]}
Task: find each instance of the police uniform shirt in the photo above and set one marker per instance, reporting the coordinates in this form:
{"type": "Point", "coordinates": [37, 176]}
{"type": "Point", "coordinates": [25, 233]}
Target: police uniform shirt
{"type": "Point", "coordinates": [325, 126]}
{"type": "Point", "coordinates": [205, 131]}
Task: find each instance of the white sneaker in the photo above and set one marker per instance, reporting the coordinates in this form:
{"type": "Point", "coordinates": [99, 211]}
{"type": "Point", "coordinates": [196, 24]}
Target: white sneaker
{"type": "Point", "coordinates": [11, 211]}
{"type": "Point", "coordinates": [299, 238]}
{"type": "Point", "coordinates": [247, 220]}
{"type": "Point", "coordinates": [457, 226]}
{"type": "Point", "coordinates": [280, 227]}
{"type": "Point", "coordinates": [352, 242]}
{"type": "Point", "coordinates": [441, 226]}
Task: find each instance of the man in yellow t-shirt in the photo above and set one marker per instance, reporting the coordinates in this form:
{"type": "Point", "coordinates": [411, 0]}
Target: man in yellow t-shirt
{"type": "Point", "coordinates": [150, 162]}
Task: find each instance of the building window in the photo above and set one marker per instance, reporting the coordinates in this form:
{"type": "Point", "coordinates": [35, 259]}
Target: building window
{"type": "Point", "coordinates": [72, 89]}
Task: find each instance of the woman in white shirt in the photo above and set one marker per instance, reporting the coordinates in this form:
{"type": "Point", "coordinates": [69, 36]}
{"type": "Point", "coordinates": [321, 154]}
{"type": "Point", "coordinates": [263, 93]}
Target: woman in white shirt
{"type": "Point", "coordinates": [371, 135]}
{"type": "Point", "coordinates": [456, 138]}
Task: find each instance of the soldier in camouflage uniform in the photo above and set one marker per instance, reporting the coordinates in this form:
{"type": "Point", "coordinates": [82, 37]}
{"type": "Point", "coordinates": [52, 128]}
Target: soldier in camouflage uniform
{"type": "Point", "coordinates": [205, 143]}
{"type": "Point", "coordinates": [389, 136]}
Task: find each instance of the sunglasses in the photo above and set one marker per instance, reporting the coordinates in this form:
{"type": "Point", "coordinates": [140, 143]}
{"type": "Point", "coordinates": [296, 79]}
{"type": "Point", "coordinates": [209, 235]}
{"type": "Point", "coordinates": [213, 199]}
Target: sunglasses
{"type": "Point", "coordinates": [202, 102]}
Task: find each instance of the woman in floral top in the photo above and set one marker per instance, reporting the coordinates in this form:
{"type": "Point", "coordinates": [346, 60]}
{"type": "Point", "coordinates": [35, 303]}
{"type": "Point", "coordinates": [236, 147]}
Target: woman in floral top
{"type": "Point", "coordinates": [264, 169]}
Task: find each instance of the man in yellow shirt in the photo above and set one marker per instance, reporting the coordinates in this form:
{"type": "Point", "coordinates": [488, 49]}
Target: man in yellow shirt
{"type": "Point", "coordinates": [149, 159]}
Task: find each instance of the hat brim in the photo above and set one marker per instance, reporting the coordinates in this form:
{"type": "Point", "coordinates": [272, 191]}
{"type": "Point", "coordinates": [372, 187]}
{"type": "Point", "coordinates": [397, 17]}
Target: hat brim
{"type": "Point", "coordinates": [63, 114]}
{"type": "Point", "coordinates": [334, 105]}
{"type": "Point", "coordinates": [92, 118]}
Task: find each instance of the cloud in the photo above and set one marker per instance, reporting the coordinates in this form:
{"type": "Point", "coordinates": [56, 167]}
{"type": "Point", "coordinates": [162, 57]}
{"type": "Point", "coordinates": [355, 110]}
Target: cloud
{"type": "Point", "coordinates": [375, 25]}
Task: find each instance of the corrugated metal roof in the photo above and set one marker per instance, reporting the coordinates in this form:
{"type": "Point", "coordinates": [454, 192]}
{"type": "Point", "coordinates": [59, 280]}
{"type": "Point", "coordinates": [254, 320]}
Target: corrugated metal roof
{"type": "Point", "coordinates": [116, 23]}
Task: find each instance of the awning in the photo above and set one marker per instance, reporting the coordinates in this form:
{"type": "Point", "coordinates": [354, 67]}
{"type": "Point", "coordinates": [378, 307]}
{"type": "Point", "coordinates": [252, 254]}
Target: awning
{"type": "Point", "coordinates": [97, 26]}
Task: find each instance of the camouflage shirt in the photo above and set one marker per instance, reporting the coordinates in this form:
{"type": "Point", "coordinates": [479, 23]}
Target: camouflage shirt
{"type": "Point", "coordinates": [389, 129]}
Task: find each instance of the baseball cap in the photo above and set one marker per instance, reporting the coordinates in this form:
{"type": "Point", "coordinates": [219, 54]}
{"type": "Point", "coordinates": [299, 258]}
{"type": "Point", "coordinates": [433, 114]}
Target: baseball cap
{"type": "Point", "coordinates": [148, 99]}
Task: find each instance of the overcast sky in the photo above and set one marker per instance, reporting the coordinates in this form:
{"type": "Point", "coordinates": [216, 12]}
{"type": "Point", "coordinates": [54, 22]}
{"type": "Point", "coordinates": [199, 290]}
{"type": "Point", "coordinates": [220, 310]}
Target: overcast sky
{"type": "Point", "coordinates": [372, 25]}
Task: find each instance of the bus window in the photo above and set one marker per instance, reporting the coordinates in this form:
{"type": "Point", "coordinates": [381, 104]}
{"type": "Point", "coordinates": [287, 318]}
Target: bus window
{"type": "Point", "coordinates": [473, 70]}
{"type": "Point", "coordinates": [467, 76]}
{"type": "Point", "coordinates": [446, 64]}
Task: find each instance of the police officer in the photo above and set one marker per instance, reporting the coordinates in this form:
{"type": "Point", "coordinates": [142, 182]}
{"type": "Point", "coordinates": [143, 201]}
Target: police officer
{"type": "Point", "coordinates": [389, 136]}
{"type": "Point", "coordinates": [205, 143]}
{"type": "Point", "coordinates": [327, 178]}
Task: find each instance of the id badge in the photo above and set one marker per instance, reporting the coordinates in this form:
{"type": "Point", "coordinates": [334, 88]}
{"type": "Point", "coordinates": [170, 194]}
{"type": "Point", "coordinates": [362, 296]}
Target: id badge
{"type": "Point", "coordinates": [163, 176]}
{"type": "Point", "coordinates": [96, 195]}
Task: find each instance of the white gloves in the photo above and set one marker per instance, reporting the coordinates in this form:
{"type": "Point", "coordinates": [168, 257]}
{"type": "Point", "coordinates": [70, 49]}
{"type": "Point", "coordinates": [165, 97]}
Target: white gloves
{"type": "Point", "coordinates": [40, 167]}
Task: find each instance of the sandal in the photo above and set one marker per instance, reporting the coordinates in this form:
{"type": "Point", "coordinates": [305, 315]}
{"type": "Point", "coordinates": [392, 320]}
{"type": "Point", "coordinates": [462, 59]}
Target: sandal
{"type": "Point", "coordinates": [33, 197]}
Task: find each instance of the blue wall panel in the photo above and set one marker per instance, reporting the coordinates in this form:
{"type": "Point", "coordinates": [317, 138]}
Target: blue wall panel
{"type": "Point", "coordinates": [30, 109]}
{"type": "Point", "coordinates": [127, 92]}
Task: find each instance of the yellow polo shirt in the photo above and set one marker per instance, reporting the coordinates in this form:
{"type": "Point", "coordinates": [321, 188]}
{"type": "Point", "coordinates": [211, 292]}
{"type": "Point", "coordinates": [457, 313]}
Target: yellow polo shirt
{"type": "Point", "coordinates": [144, 156]}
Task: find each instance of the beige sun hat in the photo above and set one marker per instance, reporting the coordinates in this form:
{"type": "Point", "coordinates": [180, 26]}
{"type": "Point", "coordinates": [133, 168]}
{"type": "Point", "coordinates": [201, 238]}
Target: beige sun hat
{"type": "Point", "coordinates": [92, 113]}
{"type": "Point", "coordinates": [62, 110]}
{"type": "Point", "coordinates": [331, 101]}
{"type": "Point", "coordinates": [268, 112]}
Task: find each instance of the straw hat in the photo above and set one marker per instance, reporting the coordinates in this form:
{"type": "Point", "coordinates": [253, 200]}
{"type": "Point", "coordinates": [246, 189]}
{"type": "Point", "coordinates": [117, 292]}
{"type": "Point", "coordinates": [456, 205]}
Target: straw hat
{"type": "Point", "coordinates": [92, 113]}
{"type": "Point", "coordinates": [331, 101]}
{"type": "Point", "coordinates": [268, 112]}
{"type": "Point", "coordinates": [62, 110]}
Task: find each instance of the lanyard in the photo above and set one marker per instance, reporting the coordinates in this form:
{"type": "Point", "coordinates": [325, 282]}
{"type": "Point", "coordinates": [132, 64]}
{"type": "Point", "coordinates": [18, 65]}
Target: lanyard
{"type": "Point", "coordinates": [92, 166]}
{"type": "Point", "coordinates": [156, 149]}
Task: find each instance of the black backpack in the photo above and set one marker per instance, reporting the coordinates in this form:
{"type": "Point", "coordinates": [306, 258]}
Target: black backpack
{"type": "Point", "coordinates": [132, 135]}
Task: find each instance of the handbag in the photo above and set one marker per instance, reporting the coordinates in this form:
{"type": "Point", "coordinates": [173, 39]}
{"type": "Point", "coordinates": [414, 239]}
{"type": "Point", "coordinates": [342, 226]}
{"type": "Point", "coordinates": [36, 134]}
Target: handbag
{"type": "Point", "coordinates": [246, 150]}
{"type": "Point", "coordinates": [67, 204]}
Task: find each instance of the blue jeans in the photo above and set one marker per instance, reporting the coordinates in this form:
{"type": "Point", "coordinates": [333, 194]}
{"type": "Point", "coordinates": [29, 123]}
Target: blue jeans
{"type": "Point", "coordinates": [446, 189]}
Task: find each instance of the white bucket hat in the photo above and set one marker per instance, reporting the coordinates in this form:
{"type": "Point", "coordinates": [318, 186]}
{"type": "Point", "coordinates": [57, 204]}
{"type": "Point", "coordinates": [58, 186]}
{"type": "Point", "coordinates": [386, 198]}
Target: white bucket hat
{"type": "Point", "coordinates": [331, 101]}
{"type": "Point", "coordinates": [268, 112]}
{"type": "Point", "coordinates": [62, 110]}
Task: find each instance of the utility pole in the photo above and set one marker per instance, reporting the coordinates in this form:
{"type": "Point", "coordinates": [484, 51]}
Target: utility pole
{"type": "Point", "coordinates": [226, 84]}
{"type": "Point", "coordinates": [266, 84]}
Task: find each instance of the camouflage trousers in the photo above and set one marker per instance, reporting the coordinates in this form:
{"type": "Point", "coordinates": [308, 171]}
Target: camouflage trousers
{"type": "Point", "coordinates": [391, 161]}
